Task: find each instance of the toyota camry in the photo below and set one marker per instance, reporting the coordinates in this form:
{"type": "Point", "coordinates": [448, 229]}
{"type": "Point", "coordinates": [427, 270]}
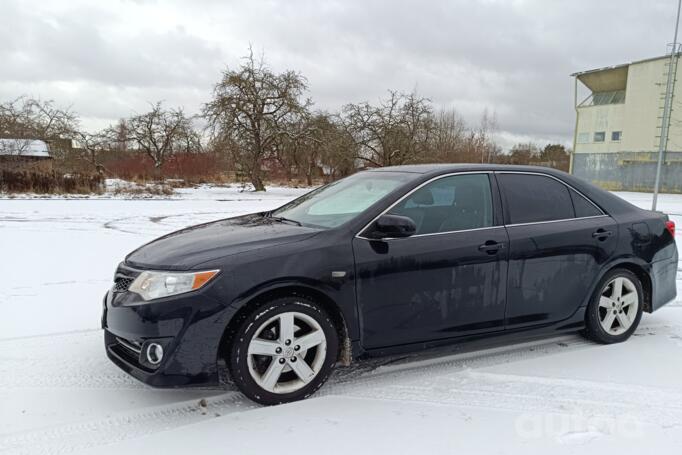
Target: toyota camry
{"type": "Point", "coordinates": [389, 260]}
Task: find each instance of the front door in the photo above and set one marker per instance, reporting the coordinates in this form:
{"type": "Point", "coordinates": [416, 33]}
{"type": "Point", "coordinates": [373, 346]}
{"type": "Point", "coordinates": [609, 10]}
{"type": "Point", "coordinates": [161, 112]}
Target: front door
{"type": "Point", "coordinates": [446, 280]}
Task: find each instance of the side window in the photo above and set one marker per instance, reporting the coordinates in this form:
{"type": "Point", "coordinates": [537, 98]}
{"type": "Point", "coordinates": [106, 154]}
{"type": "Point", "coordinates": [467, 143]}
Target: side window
{"type": "Point", "coordinates": [533, 198]}
{"type": "Point", "coordinates": [583, 207]}
{"type": "Point", "coordinates": [454, 203]}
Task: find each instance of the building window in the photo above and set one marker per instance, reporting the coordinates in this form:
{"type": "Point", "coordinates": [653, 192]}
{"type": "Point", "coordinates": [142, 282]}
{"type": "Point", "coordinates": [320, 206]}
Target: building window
{"type": "Point", "coordinates": [615, 136]}
{"type": "Point", "coordinates": [583, 138]}
{"type": "Point", "coordinates": [602, 98]}
{"type": "Point", "coordinates": [600, 136]}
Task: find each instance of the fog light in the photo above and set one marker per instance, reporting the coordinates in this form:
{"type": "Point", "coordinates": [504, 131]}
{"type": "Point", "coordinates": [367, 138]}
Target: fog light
{"type": "Point", "coordinates": [154, 353]}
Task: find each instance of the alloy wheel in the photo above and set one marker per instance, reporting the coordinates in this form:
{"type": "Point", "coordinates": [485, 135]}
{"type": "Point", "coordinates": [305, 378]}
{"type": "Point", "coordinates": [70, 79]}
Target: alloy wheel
{"type": "Point", "coordinates": [286, 352]}
{"type": "Point", "coordinates": [618, 306]}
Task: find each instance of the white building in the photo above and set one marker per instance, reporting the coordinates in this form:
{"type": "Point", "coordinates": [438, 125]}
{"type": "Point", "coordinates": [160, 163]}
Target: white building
{"type": "Point", "coordinates": [618, 125]}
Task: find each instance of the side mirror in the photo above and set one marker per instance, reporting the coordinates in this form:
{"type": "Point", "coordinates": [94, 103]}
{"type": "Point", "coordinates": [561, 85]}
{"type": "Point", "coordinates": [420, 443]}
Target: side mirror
{"type": "Point", "coordinates": [393, 226]}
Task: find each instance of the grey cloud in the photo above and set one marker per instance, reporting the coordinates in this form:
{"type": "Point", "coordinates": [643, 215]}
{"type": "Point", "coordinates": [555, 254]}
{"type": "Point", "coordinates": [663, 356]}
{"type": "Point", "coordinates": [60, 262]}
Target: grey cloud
{"type": "Point", "coordinates": [511, 57]}
{"type": "Point", "coordinates": [74, 46]}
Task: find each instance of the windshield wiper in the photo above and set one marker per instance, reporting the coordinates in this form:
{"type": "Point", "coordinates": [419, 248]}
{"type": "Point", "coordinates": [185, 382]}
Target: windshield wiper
{"type": "Point", "coordinates": [281, 219]}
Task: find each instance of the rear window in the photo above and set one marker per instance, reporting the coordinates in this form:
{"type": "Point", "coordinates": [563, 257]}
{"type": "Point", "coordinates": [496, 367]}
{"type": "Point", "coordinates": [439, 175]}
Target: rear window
{"type": "Point", "coordinates": [533, 198]}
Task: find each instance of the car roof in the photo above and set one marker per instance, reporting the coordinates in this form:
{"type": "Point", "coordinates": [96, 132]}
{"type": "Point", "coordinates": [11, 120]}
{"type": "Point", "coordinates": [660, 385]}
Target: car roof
{"type": "Point", "coordinates": [444, 168]}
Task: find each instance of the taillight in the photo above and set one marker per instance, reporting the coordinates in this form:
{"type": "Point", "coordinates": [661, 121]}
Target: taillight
{"type": "Point", "coordinates": [670, 226]}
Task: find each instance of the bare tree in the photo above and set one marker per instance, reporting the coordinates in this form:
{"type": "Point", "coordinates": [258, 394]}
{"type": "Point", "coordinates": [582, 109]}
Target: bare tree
{"type": "Point", "coordinates": [296, 150]}
{"type": "Point", "coordinates": [397, 131]}
{"type": "Point", "coordinates": [523, 153]}
{"type": "Point", "coordinates": [119, 136]}
{"type": "Point", "coordinates": [32, 118]}
{"type": "Point", "coordinates": [552, 155]}
{"type": "Point", "coordinates": [251, 105]}
{"type": "Point", "coordinates": [336, 150]}
{"type": "Point", "coordinates": [448, 140]}
{"type": "Point", "coordinates": [316, 145]}
{"type": "Point", "coordinates": [90, 146]}
{"type": "Point", "coordinates": [487, 129]}
{"type": "Point", "coordinates": [26, 118]}
{"type": "Point", "coordinates": [161, 132]}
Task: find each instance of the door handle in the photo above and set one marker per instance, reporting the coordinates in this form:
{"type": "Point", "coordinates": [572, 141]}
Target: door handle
{"type": "Point", "coordinates": [602, 234]}
{"type": "Point", "coordinates": [491, 247]}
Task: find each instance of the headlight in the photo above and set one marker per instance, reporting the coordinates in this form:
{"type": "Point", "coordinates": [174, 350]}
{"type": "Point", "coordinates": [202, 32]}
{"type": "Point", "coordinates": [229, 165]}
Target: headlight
{"type": "Point", "coordinates": [154, 285]}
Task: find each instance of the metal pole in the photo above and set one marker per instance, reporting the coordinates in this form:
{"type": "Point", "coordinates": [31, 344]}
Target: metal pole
{"type": "Point", "coordinates": [667, 107]}
{"type": "Point", "coordinates": [575, 131]}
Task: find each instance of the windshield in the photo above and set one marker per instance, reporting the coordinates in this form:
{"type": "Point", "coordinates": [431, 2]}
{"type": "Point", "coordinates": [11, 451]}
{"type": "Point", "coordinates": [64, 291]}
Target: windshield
{"type": "Point", "coordinates": [343, 200]}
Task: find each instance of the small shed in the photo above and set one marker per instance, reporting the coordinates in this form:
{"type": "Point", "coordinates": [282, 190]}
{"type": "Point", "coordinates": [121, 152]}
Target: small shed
{"type": "Point", "coordinates": [25, 155]}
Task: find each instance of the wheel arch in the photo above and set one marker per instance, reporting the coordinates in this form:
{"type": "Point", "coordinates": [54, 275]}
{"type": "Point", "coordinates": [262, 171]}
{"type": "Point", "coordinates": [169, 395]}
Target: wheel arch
{"type": "Point", "coordinates": [641, 271]}
{"type": "Point", "coordinates": [292, 289]}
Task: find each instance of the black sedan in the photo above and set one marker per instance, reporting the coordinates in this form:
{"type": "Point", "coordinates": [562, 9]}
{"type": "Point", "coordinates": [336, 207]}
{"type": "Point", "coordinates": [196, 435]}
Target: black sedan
{"type": "Point", "coordinates": [385, 261]}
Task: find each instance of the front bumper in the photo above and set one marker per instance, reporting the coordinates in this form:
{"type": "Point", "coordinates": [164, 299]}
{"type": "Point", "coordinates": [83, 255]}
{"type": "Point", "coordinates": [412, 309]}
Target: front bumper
{"type": "Point", "coordinates": [188, 327]}
{"type": "Point", "coordinates": [119, 351]}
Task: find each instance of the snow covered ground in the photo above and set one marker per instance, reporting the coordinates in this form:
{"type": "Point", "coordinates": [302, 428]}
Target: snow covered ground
{"type": "Point", "coordinates": [59, 393]}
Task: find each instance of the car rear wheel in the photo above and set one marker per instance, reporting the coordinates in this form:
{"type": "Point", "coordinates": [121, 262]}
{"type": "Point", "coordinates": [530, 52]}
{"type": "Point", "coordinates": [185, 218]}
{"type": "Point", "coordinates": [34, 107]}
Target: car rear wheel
{"type": "Point", "coordinates": [615, 312]}
{"type": "Point", "coordinates": [283, 351]}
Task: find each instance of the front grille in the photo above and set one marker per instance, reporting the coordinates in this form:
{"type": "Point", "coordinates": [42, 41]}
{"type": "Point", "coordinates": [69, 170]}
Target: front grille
{"type": "Point", "coordinates": [124, 277]}
{"type": "Point", "coordinates": [122, 283]}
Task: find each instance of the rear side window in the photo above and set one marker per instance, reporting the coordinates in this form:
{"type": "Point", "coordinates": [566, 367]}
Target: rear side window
{"type": "Point", "coordinates": [534, 198]}
{"type": "Point", "coordinates": [583, 207]}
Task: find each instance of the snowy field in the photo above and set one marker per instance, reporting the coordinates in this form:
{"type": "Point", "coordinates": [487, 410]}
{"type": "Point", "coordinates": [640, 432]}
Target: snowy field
{"type": "Point", "coordinates": [60, 394]}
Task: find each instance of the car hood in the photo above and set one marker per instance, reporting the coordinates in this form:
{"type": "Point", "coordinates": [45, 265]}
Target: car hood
{"type": "Point", "coordinates": [189, 247]}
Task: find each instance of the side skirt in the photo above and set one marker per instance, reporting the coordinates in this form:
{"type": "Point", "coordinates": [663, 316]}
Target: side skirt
{"type": "Point", "coordinates": [492, 339]}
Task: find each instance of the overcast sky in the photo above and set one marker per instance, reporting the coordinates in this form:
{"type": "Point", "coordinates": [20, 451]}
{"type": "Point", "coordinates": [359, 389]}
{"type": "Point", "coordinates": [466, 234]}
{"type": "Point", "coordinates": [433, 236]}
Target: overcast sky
{"type": "Point", "coordinates": [108, 59]}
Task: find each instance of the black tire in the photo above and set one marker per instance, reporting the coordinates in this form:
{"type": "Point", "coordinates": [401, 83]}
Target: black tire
{"type": "Point", "coordinates": [238, 359]}
{"type": "Point", "coordinates": [593, 326]}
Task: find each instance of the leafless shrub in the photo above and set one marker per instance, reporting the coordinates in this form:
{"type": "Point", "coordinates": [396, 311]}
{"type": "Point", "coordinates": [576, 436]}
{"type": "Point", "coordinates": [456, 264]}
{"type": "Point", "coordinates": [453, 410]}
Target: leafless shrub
{"type": "Point", "coordinates": [50, 183]}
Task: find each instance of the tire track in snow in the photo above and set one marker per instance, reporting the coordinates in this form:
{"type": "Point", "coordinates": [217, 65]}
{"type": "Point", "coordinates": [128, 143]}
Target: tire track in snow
{"type": "Point", "coordinates": [157, 225]}
{"type": "Point", "coordinates": [126, 425]}
{"type": "Point", "coordinates": [442, 376]}
{"type": "Point", "coordinates": [369, 373]}
{"type": "Point", "coordinates": [113, 224]}
{"type": "Point", "coordinates": [65, 360]}
{"type": "Point", "coordinates": [453, 380]}
{"type": "Point", "coordinates": [131, 424]}
{"type": "Point", "coordinates": [39, 362]}
{"type": "Point", "coordinates": [537, 395]}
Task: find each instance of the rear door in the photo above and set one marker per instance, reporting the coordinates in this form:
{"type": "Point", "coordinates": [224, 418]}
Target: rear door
{"type": "Point", "coordinates": [558, 243]}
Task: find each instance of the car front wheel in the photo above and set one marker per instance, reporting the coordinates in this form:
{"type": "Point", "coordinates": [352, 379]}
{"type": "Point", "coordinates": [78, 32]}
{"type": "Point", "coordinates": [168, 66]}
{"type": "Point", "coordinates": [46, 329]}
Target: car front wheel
{"type": "Point", "coordinates": [283, 351]}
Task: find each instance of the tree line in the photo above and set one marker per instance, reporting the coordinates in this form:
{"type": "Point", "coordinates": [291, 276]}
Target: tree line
{"type": "Point", "coordinates": [260, 123]}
